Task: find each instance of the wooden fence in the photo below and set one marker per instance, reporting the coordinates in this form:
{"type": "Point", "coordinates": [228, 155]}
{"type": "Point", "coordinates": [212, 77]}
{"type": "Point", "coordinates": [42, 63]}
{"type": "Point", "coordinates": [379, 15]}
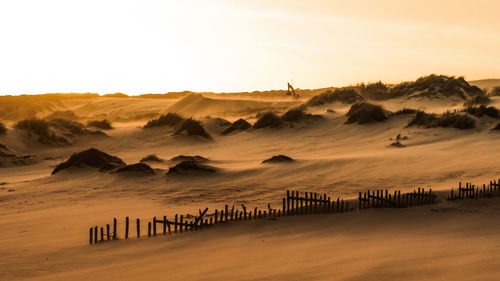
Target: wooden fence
{"type": "Point", "coordinates": [472, 191]}
{"type": "Point", "coordinates": [383, 199]}
{"type": "Point", "coordinates": [295, 203]}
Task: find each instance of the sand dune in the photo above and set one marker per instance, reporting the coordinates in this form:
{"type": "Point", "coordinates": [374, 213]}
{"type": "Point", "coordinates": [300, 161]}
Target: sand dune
{"type": "Point", "coordinates": [44, 218]}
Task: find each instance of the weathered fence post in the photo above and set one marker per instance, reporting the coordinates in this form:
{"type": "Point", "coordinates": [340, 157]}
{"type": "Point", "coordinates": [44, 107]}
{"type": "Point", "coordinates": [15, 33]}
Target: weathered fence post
{"type": "Point", "coordinates": [164, 225]}
{"type": "Point", "coordinates": [175, 223]}
{"type": "Point", "coordinates": [226, 213]}
{"type": "Point", "coordinates": [360, 201]}
{"type": "Point", "coordinates": [95, 235]}
{"type": "Point", "coordinates": [126, 227]}
{"type": "Point", "coordinates": [154, 226]}
{"type": "Point", "coordinates": [288, 202]}
{"type": "Point", "coordinates": [107, 232]}
{"type": "Point", "coordinates": [138, 228]}
{"type": "Point", "coordinates": [91, 239]}
{"type": "Point", "coordinates": [102, 234]}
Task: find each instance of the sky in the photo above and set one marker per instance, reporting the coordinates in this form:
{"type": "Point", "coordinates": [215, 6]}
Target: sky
{"type": "Point", "coordinates": [157, 46]}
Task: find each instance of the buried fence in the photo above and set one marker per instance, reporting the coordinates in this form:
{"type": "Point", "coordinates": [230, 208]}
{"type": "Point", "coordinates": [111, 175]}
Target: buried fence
{"type": "Point", "coordinates": [472, 191]}
{"type": "Point", "coordinates": [295, 203]}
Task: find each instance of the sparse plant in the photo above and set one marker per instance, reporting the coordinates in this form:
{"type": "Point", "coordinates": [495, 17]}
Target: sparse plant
{"type": "Point", "coordinates": [268, 120]}
{"type": "Point", "coordinates": [345, 95]}
{"type": "Point", "coordinates": [482, 110]}
{"type": "Point", "coordinates": [405, 111]}
{"type": "Point", "coordinates": [364, 112]}
{"type": "Point", "coordinates": [448, 119]}
{"type": "Point", "coordinates": [296, 115]}
{"type": "Point", "coordinates": [477, 99]}
{"type": "Point", "coordinates": [192, 128]}
{"type": "Point", "coordinates": [100, 124]}
{"type": "Point", "coordinates": [169, 119]}
{"type": "Point", "coordinates": [3, 129]}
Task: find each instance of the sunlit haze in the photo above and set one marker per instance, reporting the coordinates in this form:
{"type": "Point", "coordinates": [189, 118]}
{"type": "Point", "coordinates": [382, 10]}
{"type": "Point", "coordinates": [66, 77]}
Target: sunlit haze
{"type": "Point", "coordinates": [149, 46]}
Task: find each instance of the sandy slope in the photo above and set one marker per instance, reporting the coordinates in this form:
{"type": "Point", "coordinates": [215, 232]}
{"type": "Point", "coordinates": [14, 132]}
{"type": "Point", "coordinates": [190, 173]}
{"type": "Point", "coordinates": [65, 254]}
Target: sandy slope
{"type": "Point", "coordinates": [44, 219]}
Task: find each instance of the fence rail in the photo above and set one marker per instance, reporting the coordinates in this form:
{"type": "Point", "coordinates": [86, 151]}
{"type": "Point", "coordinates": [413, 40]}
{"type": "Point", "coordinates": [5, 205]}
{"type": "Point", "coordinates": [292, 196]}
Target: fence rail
{"type": "Point", "coordinates": [295, 203]}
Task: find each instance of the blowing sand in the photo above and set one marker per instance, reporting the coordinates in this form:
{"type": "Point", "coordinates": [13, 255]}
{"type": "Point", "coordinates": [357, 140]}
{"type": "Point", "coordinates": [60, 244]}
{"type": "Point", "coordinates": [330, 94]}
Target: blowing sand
{"type": "Point", "coordinates": [44, 219]}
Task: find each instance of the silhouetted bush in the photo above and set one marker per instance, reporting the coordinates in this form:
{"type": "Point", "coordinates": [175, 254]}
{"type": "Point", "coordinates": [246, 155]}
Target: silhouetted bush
{"type": "Point", "coordinates": [496, 128]}
{"type": "Point", "coordinates": [278, 159]}
{"type": "Point", "coordinates": [268, 120]}
{"type": "Point", "coordinates": [448, 119]}
{"type": "Point", "coordinates": [190, 166]}
{"type": "Point", "coordinates": [479, 98]}
{"type": "Point", "coordinates": [364, 112]}
{"type": "Point", "coordinates": [169, 119]}
{"type": "Point", "coordinates": [375, 91]}
{"type": "Point", "coordinates": [433, 84]}
{"type": "Point", "coordinates": [37, 127]}
{"type": "Point", "coordinates": [138, 168]}
{"type": "Point", "coordinates": [195, 158]}
{"type": "Point", "coordinates": [3, 129]}
{"type": "Point", "coordinates": [297, 115]}
{"type": "Point", "coordinates": [238, 125]}
{"type": "Point", "coordinates": [495, 92]}
{"type": "Point", "coordinates": [482, 110]}
{"type": "Point", "coordinates": [91, 158]}
{"type": "Point", "coordinates": [405, 111]}
{"type": "Point", "coordinates": [73, 127]}
{"type": "Point", "coordinates": [345, 95]}
{"type": "Point", "coordinates": [151, 158]}
{"type": "Point", "coordinates": [192, 127]}
{"type": "Point", "coordinates": [100, 124]}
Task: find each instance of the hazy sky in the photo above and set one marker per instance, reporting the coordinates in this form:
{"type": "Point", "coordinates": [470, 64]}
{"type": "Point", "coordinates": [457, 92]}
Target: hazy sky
{"type": "Point", "coordinates": [155, 46]}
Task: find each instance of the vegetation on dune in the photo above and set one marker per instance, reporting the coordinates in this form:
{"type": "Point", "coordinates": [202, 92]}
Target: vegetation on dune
{"type": "Point", "coordinates": [91, 158]}
{"type": "Point", "coordinates": [482, 110]}
{"type": "Point", "coordinates": [268, 120]}
{"type": "Point", "coordinates": [151, 158]}
{"type": "Point", "coordinates": [54, 131]}
{"type": "Point", "coordinates": [3, 129]}
{"type": "Point", "coordinates": [496, 128]}
{"type": "Point", "coordinates": [238, 125]}
{"type": "Point", "coordinates": [448, 119]}
{"type": "Point", "coordinates": [433, 84]}
{"type": "Point", "coordinates": [138, 168]}
{"type": "Point", "coordinates": [169, 119]}
{"type": "Point", "coordinates": [191, 127]}
{"type": "Point", "coordinates": [297, 115]}
{"type": "Point", "coordinates": [375, 91]}
{"type": "Point", "coordinates": [405, 111]}
{"type": "Point", "coordinates": [100, 124]}
{"type": "Point", "coordinates": [476, 99]}
{"type": "Point", "coordinates": [364, 112]}
{"type": "Point", "coordinates": [190, 166]}
{"type": "Point", "coordinates": [116, 95]}
{"type": "Point", "coordinates": [278, 159]}
{"type": "Point", "coordinates": [345, 95]}
{"type": "Point", "coordinates": [62, 114]}
{"type": "Point", "coordinates": [195, 158]}
{"type": "Point", "coordinates": [495, 92]}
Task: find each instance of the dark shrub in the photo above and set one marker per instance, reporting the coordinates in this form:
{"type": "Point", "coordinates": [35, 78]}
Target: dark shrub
{"type": "Point", "coordinates": [479, 98]}
{"type": "Point", "coordinates": [278, 159]}
{"type": "Point", "coordinates": [496, 128]}
{"type": "Point", "coordinates": [190, 166]}
{"type": "Point", "coordinates": [91, 158]}
{"type": "Point", "coordinates": [433, 84]}
{"type": "Point", "coordinates": [139, 168]}
{"type": "Point", "coordinates": [448, 119]}
{"type": "Point", "coordinates": [195, 158]}
{"type": "Point", "coordinates": [100, 124]}
{"type": "Point", "coordinates": [268, 120]}
{"type": "Point", "coordinates": [151, 158]}
{"type": "Point", "coordinates": [3, 129]}
{"type": "Point", "coordinates": [169, 119]}
{"type": "Point", "coordinates": [238, 125]}
{"type": "Point", "coordinates": [375, 91]}
{"type": "Point", "coordinates": [192, 127]}
{"type": "Point", "coordinates": [345, 95]}
{"type": "Point", "coordinates": [482, 110]}
{"type": "Point", "coordinates": [37, 127]}
{"type": "Point", "coordinates": [297, 115]}
{"type": "Point", "coordinates": [364, 112]}
{"type": "Point", "coordinates": [73, 127]}
{"type": "Point", "coordinates": [405, 111]}
{"type": "Point", "coordinates": [495, 92]}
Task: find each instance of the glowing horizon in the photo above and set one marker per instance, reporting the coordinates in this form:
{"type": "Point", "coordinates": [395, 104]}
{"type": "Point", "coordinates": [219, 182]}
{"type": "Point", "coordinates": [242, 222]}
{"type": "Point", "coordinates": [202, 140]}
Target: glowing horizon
{"type": "Point", "coordinates": [153, 46]}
